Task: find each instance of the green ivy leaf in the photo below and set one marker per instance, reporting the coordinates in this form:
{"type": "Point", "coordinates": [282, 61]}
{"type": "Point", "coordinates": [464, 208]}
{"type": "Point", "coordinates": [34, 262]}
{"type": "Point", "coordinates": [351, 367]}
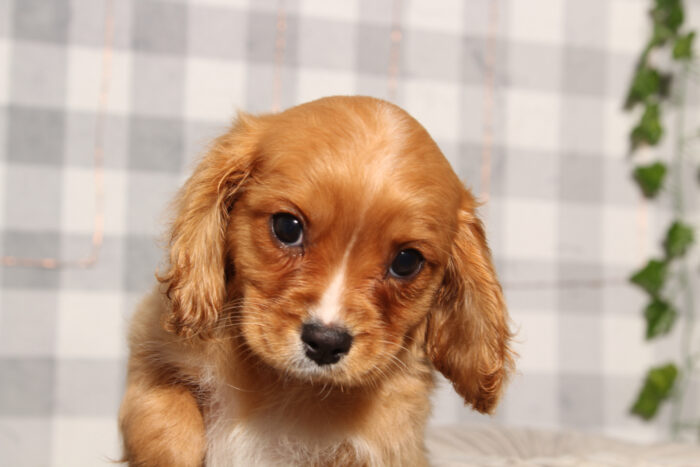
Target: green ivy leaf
{"type": "Point", "coordinates": [650, 178]}
{"type": "Point", "coordinates": [660, 317]}
{"type": "Point", "coordinates": [649, 129]}
{"type": "Point", "coordinates": [678, 239]}
{"type": "Point", "coordinates": [657, 388]}
{"type": "Point", "coordinates": [651, 277]}
{"type": "Point", "coordinates": [646, 82]}
{"type": "Point", "coordinates": [669, 14]}
{"type": "Point", "coordinates": [683, 48]}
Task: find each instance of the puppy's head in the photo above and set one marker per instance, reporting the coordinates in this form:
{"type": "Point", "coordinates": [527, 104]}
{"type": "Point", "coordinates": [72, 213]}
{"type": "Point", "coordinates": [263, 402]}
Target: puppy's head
{"type": "Point", "coordinates": [331, 237]}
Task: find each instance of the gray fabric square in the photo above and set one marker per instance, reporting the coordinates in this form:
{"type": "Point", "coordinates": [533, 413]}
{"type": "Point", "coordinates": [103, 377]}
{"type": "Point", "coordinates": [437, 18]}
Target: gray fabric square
{"type": "Point", "coordinates": [143, 257]}
{"type": "Point", "coordinates": [376, 84]}
{"type": "Point", "coordinates": [469, 165]}
{"type": "Point", "coordinates": [28, 322]}
{"type": "Point", "coordinates": [584, 71]}
{"type": "Point", "coordinates": [534, 66]}
{"type": "Point", "coordinates": [580, 298]}
{"type": "Point", "coordinates": [25, 442]}
{"type": "Point", "coordinates": [586, 22]}
{"type": "Point", "coordinates": [157, 85]}
{"type": "Point", "coordinates": [106, 274]}
{"type": "Point", "coordinates": [87, 22]}
{"type": "Point", "coordinates": [618, 185]}
{"type": "Point", "coordinates": [580, 234]}
{"type": "Point", "coordinates": [432, 55]}
{"type": "Point", "coordinates": [262, 33]}
{"type": "Point", "coordinates": [217, 32]}
{"type": "Point", "coordinates": [527, 286]}
{"type": "Point", "coordinates": [3, 133]}
{"type": "Point", "coordinates": [148, 201]}
{"type": "Point", "coordinates": [619, 70]}
{"type": "Point", "coordinates": [528, 399]}
{"type": "Point", "coordinates": [38, 75]}
{"type": "Point", "coordinates": [198, 139]}
{"type": "Point", "coordinates": [26, 388]}
{"type": "Point", "coordinates": [581, 126]}
{"type": "Point", "coordinates": [35, 135]}
{"type": "Point", "coordinates": [581, 400]}
{"type": "Point", "coordinates": [327, 44]}
{"type": "Point", "coordinates": [580, 345]}
{"type": "Point", "coordinates": [474, 51]}
{"type": "Point", "coordinates": [260, 83]}
{"type": "Point", "coordinates": [80, 140]}
{"type": "Point", "coordinates": [376, 11]}
{"type": "Point", "coordinates": [6, 7]}
{"type": "Point", "coordinates": [89, 388]}
{"type": "Point", "coordinates": [374, 49]}
{"type": "Point", "coordinates": [156, 144]}
{"type": "Point", "coordinates": [160, 27]}
{"type": "Point", "coordinates": [531, 174]}
{"type": "Point", "coordinates": [38, 20]}
{"type": "Point", "coordinates": [26, 244]}
{"type": "Point", "coordinates": [33, 197]}
{"type": "Point", "coordinates": [581, 178]}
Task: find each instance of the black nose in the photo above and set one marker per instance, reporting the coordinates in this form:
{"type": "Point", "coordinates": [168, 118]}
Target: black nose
{"type": "Point", "coordinates": [325, 344]}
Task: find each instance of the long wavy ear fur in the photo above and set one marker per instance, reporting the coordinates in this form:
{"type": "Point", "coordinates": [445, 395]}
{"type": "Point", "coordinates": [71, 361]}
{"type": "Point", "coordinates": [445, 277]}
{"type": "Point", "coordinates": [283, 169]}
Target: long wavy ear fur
{"type": "Point", "coordinates": [195, 279]}
{"type": "Point", "coordinates": [467, 335]}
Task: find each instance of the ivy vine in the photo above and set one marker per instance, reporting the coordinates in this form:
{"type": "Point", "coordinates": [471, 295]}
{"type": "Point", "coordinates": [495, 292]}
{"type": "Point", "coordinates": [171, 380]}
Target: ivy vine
{"type": "Point", "coordinates": [654, 89]}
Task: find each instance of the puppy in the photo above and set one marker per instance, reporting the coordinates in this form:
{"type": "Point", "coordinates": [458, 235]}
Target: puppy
{"type": "Point", "coordinates": [322, 262]}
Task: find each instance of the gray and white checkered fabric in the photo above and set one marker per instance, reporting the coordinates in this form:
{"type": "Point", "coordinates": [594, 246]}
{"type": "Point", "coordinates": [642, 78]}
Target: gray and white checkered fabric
{"type": "Point", "coordinates": [562, 207]}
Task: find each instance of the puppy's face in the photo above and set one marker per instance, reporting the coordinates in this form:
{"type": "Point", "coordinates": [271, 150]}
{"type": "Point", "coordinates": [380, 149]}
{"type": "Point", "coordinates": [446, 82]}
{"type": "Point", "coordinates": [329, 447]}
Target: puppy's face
{"type": "Point", "coordinates": [340, 240]}
{"type": "Point", "coordinates": [333, 236]}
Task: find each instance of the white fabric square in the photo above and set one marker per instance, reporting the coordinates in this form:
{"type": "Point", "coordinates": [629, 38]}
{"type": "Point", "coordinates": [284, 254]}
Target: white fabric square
{"type": "Point", "coordinates": [84, 441]}
{"type": "Point", "coordinates": [316, 83]}
{"type": "Point", "coordinates": [79, 201]}
{"type": "Point", "coordinates": [626, 238]}
{"type": "Point", "coordinates": [536, 21]}
{"type": "Point", "coordinates": [628, 26]}
{"type": "Point", "coordinates": [444, 15]}
{"type": "Point", "coordinates": [536, 340]}
{"type": "Point", "coordinates": [331, 9]}
{"type": "Point", "coordinates": [214, 89]}
{"type": "Point", "coordinates": [435, 105]}
{"type": "Point", "coordinates": [85, 69]}
{"type": "Point", "coordinates": [530, 229]}
{"type": "Point", "coordinates": [625, 351]}
{"type": "Point", "coordinates": [4, 71]}
{"type": "Point", "coordinates": [532, 119]}
{"type": "Point", "coordinates": [617, 125]}
{"type": "Point", "coordinates": [91, 326]}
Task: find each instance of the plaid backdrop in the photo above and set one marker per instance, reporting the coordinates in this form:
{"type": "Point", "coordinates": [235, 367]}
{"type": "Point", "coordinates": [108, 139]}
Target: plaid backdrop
{"type": "Point", "coordinates": [561, 204]}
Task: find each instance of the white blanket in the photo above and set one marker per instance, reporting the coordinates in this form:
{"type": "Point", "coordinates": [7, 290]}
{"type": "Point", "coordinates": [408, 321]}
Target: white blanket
{"type": "Point", "coordinates": [500, 446]}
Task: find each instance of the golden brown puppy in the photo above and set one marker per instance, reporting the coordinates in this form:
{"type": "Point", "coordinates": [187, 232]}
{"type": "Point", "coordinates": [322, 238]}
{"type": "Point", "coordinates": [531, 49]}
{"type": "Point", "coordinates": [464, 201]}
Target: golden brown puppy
{"type": "Point", "coordinates": [322, 262]}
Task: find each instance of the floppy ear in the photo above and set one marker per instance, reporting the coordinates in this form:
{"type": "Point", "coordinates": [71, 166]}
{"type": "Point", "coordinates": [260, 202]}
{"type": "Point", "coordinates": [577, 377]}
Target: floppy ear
{"type": "Point", "coordinates": [467, 334]}
{"type": "Point", "coordinates": [195, 279]}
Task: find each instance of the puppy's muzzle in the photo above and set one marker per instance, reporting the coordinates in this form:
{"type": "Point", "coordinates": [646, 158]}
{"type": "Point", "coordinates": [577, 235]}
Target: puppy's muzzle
{"type": "Point", "coordinates": [325, 345]}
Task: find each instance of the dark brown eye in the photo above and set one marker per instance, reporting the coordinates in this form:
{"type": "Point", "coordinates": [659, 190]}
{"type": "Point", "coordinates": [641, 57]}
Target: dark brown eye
{"type": "Point", "coordinates": [406, 264]}
{"type": "Point", "coordinates": [288, 229]}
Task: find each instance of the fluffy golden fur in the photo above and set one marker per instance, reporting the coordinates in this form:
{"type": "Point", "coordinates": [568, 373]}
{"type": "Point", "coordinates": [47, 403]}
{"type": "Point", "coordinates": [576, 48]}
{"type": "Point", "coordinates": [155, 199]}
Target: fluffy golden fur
{"type": "Point", "coordinates": [217, 372]}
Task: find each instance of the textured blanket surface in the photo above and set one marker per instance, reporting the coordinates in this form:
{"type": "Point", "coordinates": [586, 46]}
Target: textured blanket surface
{"type": "Point", "coordinates": [500, 446]}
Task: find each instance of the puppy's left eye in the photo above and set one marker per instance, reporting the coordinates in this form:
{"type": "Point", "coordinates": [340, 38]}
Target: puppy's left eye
{"type": "Point", "coordinates": [287, 228]}
{"type": "Point", "coordinates": [406, 263]}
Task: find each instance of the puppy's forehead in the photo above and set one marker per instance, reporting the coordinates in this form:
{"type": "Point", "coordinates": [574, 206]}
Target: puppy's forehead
{"type": "Point", "coordinates": [358, 153]}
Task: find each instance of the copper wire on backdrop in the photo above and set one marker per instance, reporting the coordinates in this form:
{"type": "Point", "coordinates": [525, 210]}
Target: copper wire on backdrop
{"type": "Point", "coordinates": [280, 46]}
{"type": "Point", "coordinates": [98, 166]}
{"type": "Point", "coordinates": [489, 102]}
{"type": "Point", "coordinates": [396, 37]}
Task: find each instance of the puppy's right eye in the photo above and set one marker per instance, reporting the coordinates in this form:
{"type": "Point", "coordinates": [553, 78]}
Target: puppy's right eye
{"type": "Point", "coordinates": [288, 229]}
